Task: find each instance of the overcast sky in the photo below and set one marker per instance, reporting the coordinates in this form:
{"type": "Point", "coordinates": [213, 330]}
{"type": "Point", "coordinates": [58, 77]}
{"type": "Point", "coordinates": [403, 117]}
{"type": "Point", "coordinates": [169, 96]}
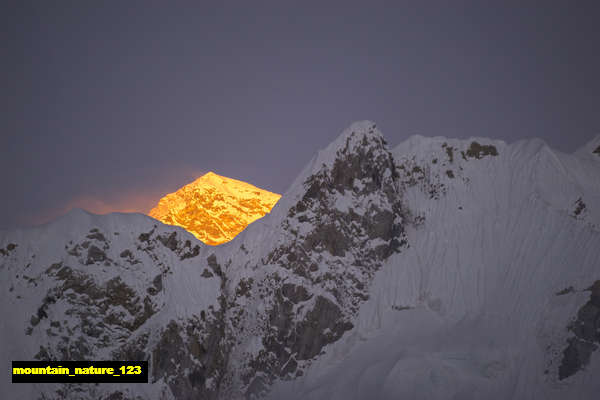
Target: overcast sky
{"type": "Point", "coordinates": [109, 105]}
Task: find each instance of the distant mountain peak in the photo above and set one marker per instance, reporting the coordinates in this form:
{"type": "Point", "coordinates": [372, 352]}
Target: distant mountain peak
{"type": "Point", "coordinates": [214, 208]}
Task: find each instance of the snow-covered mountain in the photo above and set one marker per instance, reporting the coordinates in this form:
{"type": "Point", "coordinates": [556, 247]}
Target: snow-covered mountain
{"type": "Point", "coordinates": [443, 268]}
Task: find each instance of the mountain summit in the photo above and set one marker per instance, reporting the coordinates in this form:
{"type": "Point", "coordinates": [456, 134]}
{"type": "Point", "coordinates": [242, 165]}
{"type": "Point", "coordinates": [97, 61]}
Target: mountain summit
{"type": "Point", "coordinates": [214, 208]}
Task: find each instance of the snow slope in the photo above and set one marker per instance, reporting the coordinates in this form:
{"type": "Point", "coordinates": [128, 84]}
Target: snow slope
{"type": "Point", "coordinates": [476, 307]}
{"type": "Point", "coordinates": [90, 287]}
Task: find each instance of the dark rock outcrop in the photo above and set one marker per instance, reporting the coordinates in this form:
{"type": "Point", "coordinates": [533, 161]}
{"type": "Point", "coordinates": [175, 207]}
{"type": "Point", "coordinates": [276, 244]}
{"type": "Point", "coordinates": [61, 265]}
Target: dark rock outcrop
{"type": "Point", "coordinates": [478, 151]}
{"type": "Point", "coordinates": [353, 209]}
{"type": "Point", "coordinates": [586, 339]}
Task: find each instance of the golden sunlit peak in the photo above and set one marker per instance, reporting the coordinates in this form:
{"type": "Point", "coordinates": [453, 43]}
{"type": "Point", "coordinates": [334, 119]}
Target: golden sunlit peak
{"type": "Point", "coordinates": [214, 208]}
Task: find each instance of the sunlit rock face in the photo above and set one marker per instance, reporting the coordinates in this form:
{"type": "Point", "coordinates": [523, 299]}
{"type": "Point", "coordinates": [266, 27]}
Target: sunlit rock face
{"type": "Point", "coordinates": [214, 208]}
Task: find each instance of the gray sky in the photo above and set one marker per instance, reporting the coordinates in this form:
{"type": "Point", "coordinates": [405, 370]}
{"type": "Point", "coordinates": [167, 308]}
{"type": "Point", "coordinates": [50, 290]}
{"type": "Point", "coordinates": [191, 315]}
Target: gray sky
{"type": "Point", "coordinates": [110, 104]}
